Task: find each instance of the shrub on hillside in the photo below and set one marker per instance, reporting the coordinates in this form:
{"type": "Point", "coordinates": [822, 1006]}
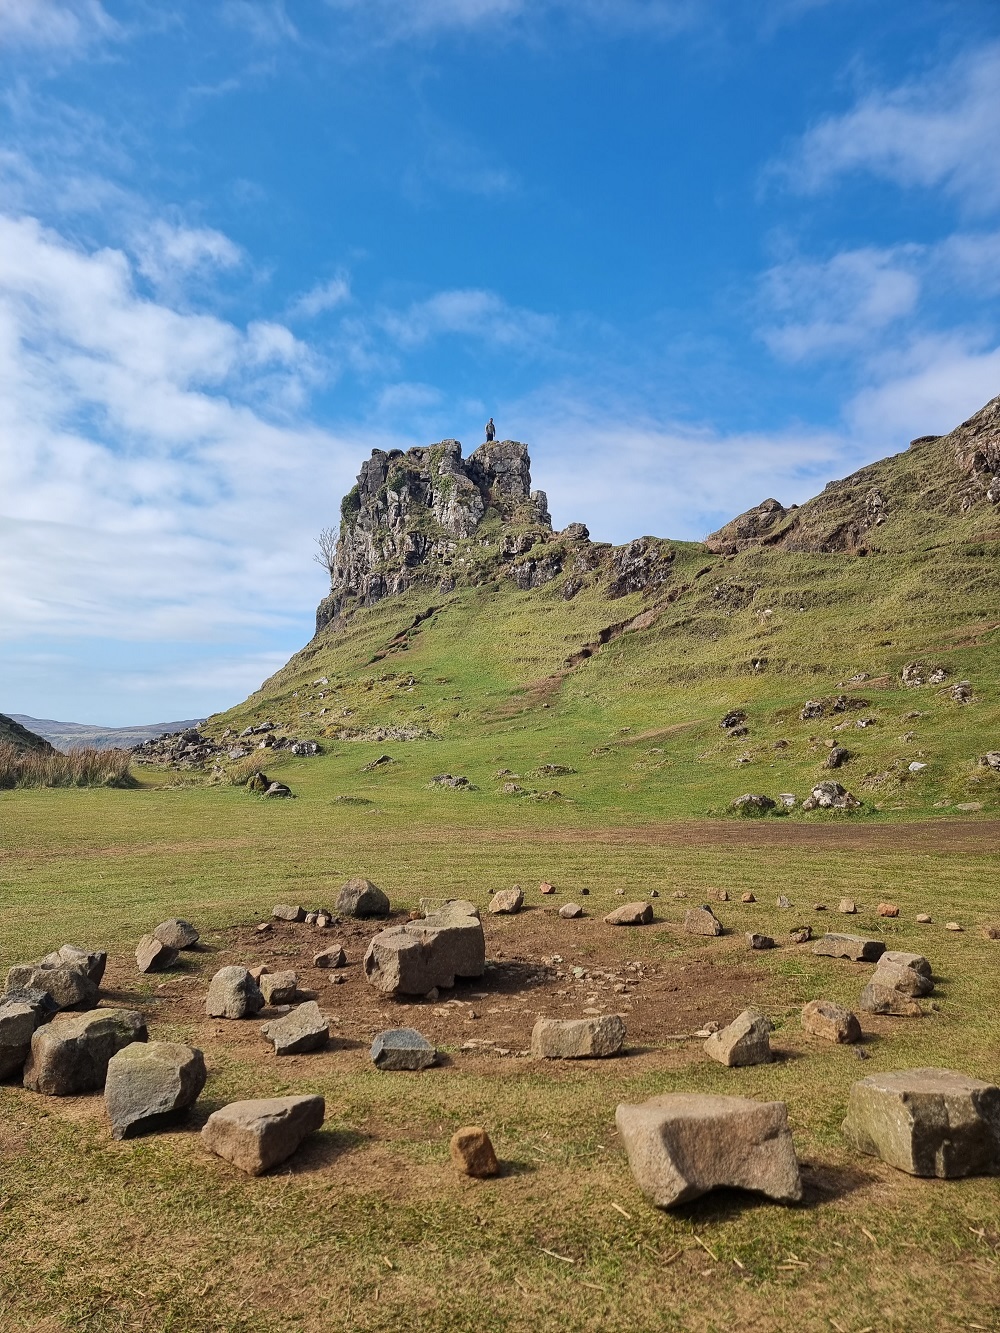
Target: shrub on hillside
{"type": "Point", "coordinates": [79, 768]}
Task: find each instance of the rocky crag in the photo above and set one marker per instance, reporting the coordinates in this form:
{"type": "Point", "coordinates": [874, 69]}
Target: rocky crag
{"type": "Point", "coordinates": [433, 519]}
{"type": "Point", "coordinates": [23, 740]}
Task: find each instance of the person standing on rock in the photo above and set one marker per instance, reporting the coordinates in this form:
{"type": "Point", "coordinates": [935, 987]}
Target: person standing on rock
{"type": "Point", "coordinates": [491, 431]}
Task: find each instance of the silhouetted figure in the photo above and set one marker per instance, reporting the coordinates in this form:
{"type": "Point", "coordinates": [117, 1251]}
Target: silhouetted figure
{"type": "Point", "coordinates": [491, 430]}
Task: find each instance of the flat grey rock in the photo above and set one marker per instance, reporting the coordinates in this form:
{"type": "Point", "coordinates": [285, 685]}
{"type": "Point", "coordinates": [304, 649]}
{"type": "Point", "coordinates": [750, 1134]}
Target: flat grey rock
{"type": "Point", "coordinates": [258, 1135]}
{"type": "Point", "coordinates": [858, 948]}
{"type": "Point", "coordinates": [577, 1038]}
{"type": "Point", "coordinates": [304, 1029]}
{"type": "Point", "coordinates": [402, 1048]}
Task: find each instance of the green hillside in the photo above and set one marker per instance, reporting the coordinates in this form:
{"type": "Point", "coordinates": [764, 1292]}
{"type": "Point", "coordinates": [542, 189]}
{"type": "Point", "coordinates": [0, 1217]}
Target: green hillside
{"type": "Point", "coordinates": [23, 740]}
{"type": "Point", "coordinates": [891, 568]}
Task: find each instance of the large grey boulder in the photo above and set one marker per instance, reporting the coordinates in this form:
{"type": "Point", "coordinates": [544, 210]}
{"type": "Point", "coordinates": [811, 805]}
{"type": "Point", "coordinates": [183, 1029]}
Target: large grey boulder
{"type": "Point", "coordinates": [70, 1055]}
{"type": "Point", "coordinates": [150, 1081]}
{"type": "Point", "coordinates": [906, 980]}
{"type": "Point", "coordinates": [630, 914]}
{"type": "Point", "coordinates": [152, 955]}
{"type": "Point", "coordinates": [304, 1029]}
{"type": "Point", "coordinates": [413, 958]}
{"type": "Point", "coordinates": [577, 1038]}
{"type": "Point", "coordinates": [176, 933]}
{"type": "Point", "coordinates": [402, 1048]}
{"type": "Point", "coordinates": [880, 996]}
{"type": "Point", "coordinates": [746, 1041]}
{"type": "Point", "coordinates": [68, 984]}
{"type": "Point", "coordinates": [256, 1135]}
{"type": "Point", "coordinates": [360, 897]}
{"type": "Point", "coordinates": [92, 961]}
{"type": "Point", "coordinates": [233, 993]}
{"type": "Point", "coordinates": [856, 947]}
{"type": "Point", "coordinates": [18, 1020]}
{"type": "Point", "coordinates": [900, 958]}
{"type": "Point", "coordinates": [681, 1145]}
{"type": "Point", "coordinates": [506, 902]}
{"type": "Point", "coordinates": [701, 921]}
{"type": "Point", "coordinates": [928, 1122]}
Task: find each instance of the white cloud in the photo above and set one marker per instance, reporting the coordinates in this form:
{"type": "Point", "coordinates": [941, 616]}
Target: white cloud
{"type": "Point", "coordinates": [941, 130]}
{"type": "Point", "coordinates": [53, 24]}
{"type": "Point", "coordinates": [401, 19]}
{"type": "Point", "coordinates": [471, 312]}
{"type": "Point", "coordinates": [168, 254]}
{"type": "Point", "coordinates": [325, 296]}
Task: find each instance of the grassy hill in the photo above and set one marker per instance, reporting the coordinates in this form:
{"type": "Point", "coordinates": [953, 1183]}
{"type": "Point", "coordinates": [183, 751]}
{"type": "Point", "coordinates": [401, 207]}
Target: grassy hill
{"type": "Point", "coordinates": [894, 566]}
{"type": "Point", "coordinates": [23, 740]}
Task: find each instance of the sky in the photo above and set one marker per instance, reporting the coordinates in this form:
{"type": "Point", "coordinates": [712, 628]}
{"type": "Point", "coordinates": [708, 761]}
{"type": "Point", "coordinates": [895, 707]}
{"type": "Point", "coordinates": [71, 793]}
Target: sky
{"type": "Point", "coordinates": [694, 253]}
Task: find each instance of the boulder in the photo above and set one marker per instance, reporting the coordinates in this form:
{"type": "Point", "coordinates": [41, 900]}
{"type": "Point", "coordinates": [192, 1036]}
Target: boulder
{"type": "Point", "coordinates": [752, 805]}
{"type": "Point", "coordinates": [506, 902]}
{"type": "Point", "coordinates": [681, 1145]}
{"type": "Point", "coordinates": [278, 789]}
{"type": "Point", "coordinates": [900, 958]}
{"type": "Point", "coordinates": [69, 986]}
{"type": "Point", "coordinates": [257, 1135]}
{"type": "Point", "coordinates": [800, 935]}
{"type": "Point", "coordinates": [285, 912]}
{"type": "Point", "coordinates": [332, 957]}
{"type": "Point", "coordinates": [856, 947]}
{"type": "Point", "coordinates": [832, 1022]}
{"type": "Point", "coordinates": [304, 1029]}
{"type": "Point", "coordinates": [577, 1038]}
{"type": "Point", "coordinates": [278, 987]}
{"type": "Point", "coordinates": [746, 1041]}
{"type": "Point", "coordinates": [882, 997]}
{"type": "Point", "coordinates": [18, 1020]}
{"type": "Point", "coordinates": [233, 993]}
{"type": "Point", "coordinates": [756, 941]}
{"type": "Point", "coordinates": [830, 796]}
{"type": "Point", "coordinates": [906, 980]}
{"type": "Point", "coordinates": [702, 921]}
{"type": "Point", "coordinates": [92, 961]}
{"type": "Point", "coordinates": [362, 898]}
{"type": "Point", "coordinates": [402, 1048]}
{"type": "Point", "coordinates": [413, 958]}
{"type": "Point", "coordinates": [630, 914]}
{"type": "Point", "coordinates": [176, 934]}
{"type": "Point", "coordinates": [70, 1055]}
{"type": "Point", "coordinates": [148, 1081]}
{"type": "Point", "coordinates": [928, 1122]}
{"type": "Point", "coordinates": [570, 911]}
{"type": "Point", "coordinates": [472, 1151]}
{"type": "Point", "coordinates": [152, 955]}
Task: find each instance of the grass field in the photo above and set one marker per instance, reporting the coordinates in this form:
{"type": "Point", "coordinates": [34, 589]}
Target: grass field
{"type": "Point", "coordinates": [369, 1227]}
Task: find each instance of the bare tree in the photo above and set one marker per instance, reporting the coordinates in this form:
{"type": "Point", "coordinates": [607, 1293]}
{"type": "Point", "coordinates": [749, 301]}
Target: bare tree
{"type": "Point", "coordinates": [327, 543]}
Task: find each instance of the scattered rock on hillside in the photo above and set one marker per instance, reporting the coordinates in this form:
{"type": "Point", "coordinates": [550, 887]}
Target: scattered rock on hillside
{"type": "Point", "coordinates": [70, 987]}
{"type": "Point", "coordinates": [752, 804]}
{"type": "Point", "coordinates": [830, 796]}
{"type": "Point", "coordinates": [570, 911]}
{"type": "Point", "coordinates": [285, 912]}
{"type": "Point", "coordinates": [450, 780]}
{"type": "Point", "coordinates": [70, 1055]}
{"type": "Point", "coordinates": [756, 941]}
{"type": "Point", "coordinates": [681, 1145]}
{"type": "Point", "coordinates": [152, 955]}
{"type": "Point", "coordinates": [887, 909]}
{"type": "Point", "coordinates": [746, 1041]}
{"type": "Point", "coordinates": [278, 987]}
{"type": "Point", "coordinates": [961, 692]}
{"type": "Point", "coordinates": [701, 921]}
{"type": "Point", "coordinates": [630, 914]}
{"type": "Point", "coordinates": [837, 757]}
{"type": "Point", "coordinates": [991, 760]}
{"type": "Point", "coordinates": [257, 1135]}
{"type": "Point", "coordinates": [412, 959]}
{"type": "Point", "coordinates": [332, 957]}
{"type": "Point", "coordinates": [800, 935]}
{"type": "Point", "coordinates": [577, 1038]}
{"type": "Point", "coordinates": [362, 898]}
{"type": "Point", "coordinates": [748, 898]}
{"type": "Point", "coordinates": [233, 993]}
{"type": "Point", "coordinates": [472, 1151]}
{"type": "Point", "coordinates": [927, 1122]}
{"type": "Point", "coordinates": [952, 925]}
{"type": "Point", "coordinates": [176, 934]}
{"type": "Point", "coordinates": [402, 1048]}
{"type": "Point", "coordinates": [856, 947]}
{"type": "Point", "coordinates": [847, 906]}
{"type": "Point", "coordinates": [278, 789]}
{"type": "Point", "coordinates": [150, 1081]}
{"type": "Point", "coordinates": [304, 1029]}
{"type": "Point", "coordinates": [506, 902]}
{"type": "Point", "coordinates": [880, 996]}
{"type": "Point", "coordinates": [734, 718]}
{"type": "Point", "coordinates": [831, 1021]}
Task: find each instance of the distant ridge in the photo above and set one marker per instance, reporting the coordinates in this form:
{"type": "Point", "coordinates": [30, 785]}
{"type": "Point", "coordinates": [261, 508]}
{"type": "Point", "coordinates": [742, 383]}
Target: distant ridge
{"type": "Point", "coordinates": [66, 735]}
{"type": "Point", "coordinates": [13, 733]}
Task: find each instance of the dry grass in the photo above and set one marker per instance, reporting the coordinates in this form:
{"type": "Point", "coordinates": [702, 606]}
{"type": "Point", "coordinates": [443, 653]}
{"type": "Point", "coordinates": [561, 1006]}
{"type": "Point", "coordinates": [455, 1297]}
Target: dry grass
{"type": "Point", "coordinates": [79, 768]}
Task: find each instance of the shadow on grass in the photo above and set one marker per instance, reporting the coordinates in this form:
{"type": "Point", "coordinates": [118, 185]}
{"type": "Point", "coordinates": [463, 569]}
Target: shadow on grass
{"type": "Point", "coordinates": [323, 1149]}
{"type": "Point", "coordinates": [820, 1184]}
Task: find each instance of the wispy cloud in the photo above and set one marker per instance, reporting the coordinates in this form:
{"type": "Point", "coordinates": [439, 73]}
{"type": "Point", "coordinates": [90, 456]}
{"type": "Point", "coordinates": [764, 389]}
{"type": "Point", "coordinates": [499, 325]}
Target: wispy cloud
{"type": "Point", "coordinates": [941, 130]}
{"type": "Point", "coordinates": [325, 296]}
{"type": "Point", "coordinates": [470, 312]}
{"type": "Point", "coordinates": [54, 25]}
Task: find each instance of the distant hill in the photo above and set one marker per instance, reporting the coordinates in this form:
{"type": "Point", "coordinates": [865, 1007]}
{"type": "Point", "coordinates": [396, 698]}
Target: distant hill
{"type": "Point", "coordinates": [13, 732]}
{"type": "Point", "coordinates": [66, 735]}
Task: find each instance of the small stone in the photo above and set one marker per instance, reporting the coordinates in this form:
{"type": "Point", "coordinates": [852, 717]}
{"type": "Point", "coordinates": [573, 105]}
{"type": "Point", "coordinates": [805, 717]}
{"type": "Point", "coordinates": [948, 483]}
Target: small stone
{"type": "Point", "coordinates": [233, 993]}
{"type": "Point", "coordinates": [746, 1041]}
{"type": "Point", "coordinates": [278, 789]}
{"type": "Point", "coordinates": [923, 919]}
{"type": "Point", "coordinates": [748, 898]}
{"type": "Point", "coordinates": [278, 987]}
{"type": "Point", "coordinates": [362, 898]}
{"type": "Point", "coordinates": [70, 1055]}
{"type": "Point", "coordinates": [887, 909]}
{"type": "Point", "coordinates": [801, 935]}
{"type": "Point", "coordinates": [620, 893]}
{"type": "Point", "coordinates": [927, 1122]}
{"type": "Point", "coordinates": [257, 1135]}
{"type": "Point", "coordinates": [332, 957]}
{"type": "Point", "coordinates": [570, 911]}
{"type": "Point", "coordinates": [819, 907]}
{"type": "Point", "coordinates": [152, 955]}
{"type": "Point", "coordinates": [285, 912]}
{"type": "Point", "coordinates": [584, 893]}
{"type": "Point", "coordinates": [546, 887]}
{"type": "Point", "coordinates": [719, 895]}
{"type": "Point", "coordinates": [630, 914]}
{"type": "Point", "coordinates": [848, 906]}
{"type": "Point", "coordinates": [654, 893]}
{"type": "Point", "coordinates": [856, 947]}
{"type": "Point", "coordinates": [577, 1038]}
{"type": "Point", "coordinates": [150, 1081]}
{"type": "Point", "coordinates": [433, 994]}
{"type": "Point", "coordinates": [323, 921]}
{"type": "Point", "coordinates": [989, 932]}
{"type": "Point", "coordinates": [677, 893]}
{"type": "Point", "coordinates": [338, 979]}
{"type": "Point", "coordinates": [681, 1145]}
{"type": "Point", "coordinates": [756, 941]}
{"type": "Point", "coordinates": [311, 918]}
{"type": "Point", "coordinates": [952, 925]}
{"type": "Point", "coordinates": [782, 901]}
{"type": "Point", "coordinates": [402, 1048]}
{"type": "Point", "coordinates": [472, 1151]}
{"type": "Point", "coordinates": [264, 928]}
{"type": "Point", "coordinates": [824, 1018]}
{"type": "Point", "coordinates": [304, 1029]}
{"type": "Point", "coordinates": [176, 934]}
{"type": "Point", "coordinates": [506, 902]}
{"type": "Point", "coordinates": [701, 921]}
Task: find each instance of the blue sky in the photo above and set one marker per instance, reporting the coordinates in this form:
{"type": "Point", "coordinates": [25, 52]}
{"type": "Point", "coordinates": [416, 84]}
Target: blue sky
{"type": "Point", "coordinates": [693, 252]}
